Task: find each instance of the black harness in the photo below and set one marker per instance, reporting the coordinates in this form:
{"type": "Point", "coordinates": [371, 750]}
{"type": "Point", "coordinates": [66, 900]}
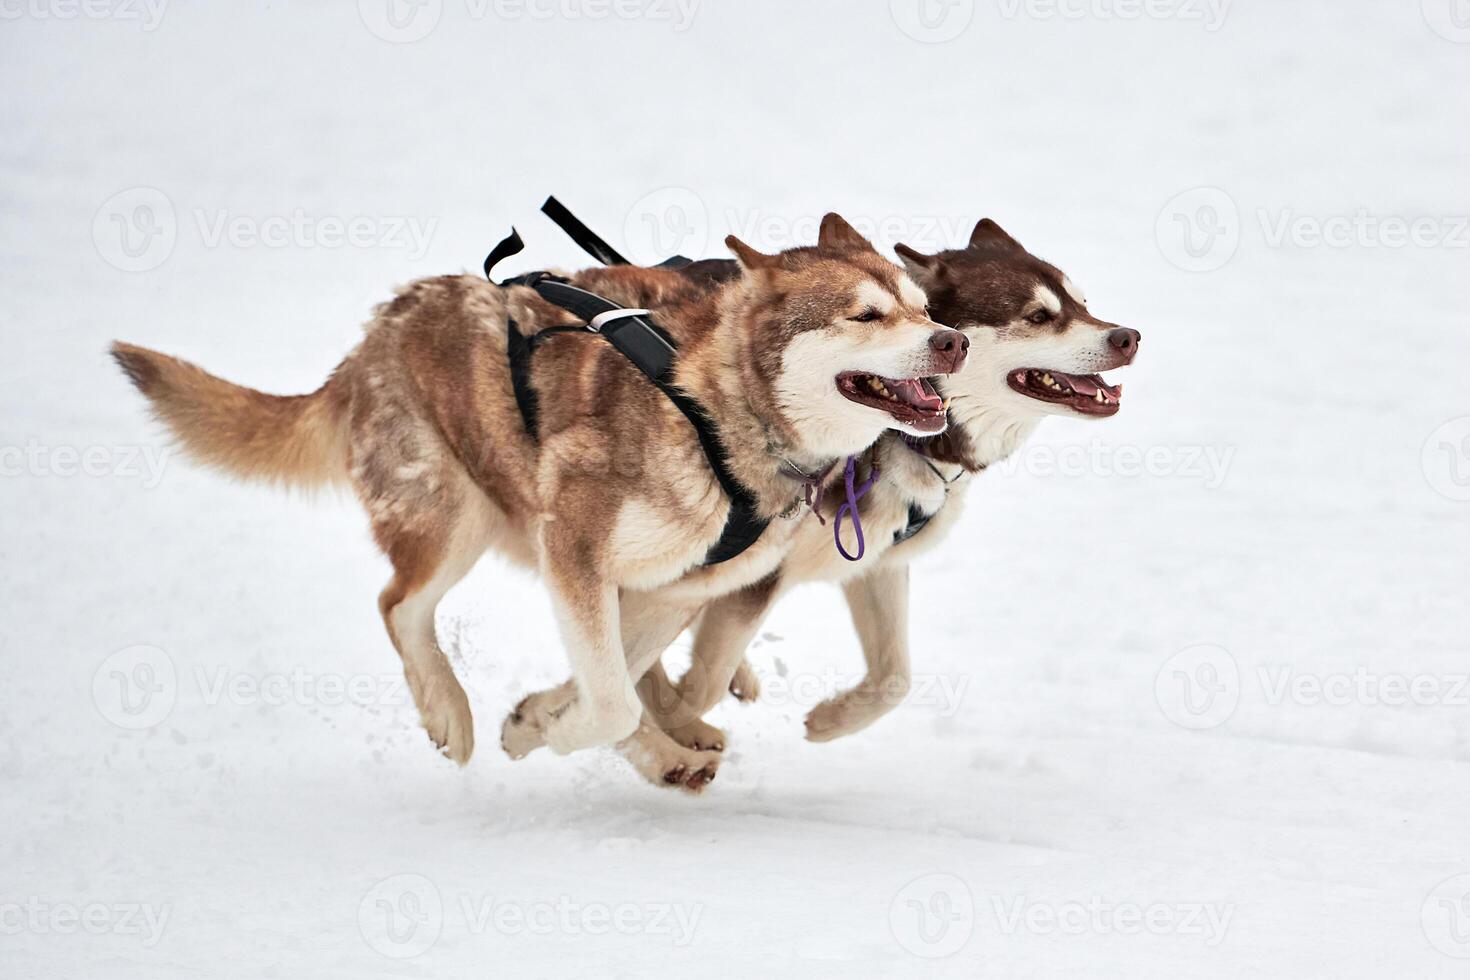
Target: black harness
{"type": "Point", "coordinates": [648, 348]}
{"type": "Point", "coordinates": [651, 351]}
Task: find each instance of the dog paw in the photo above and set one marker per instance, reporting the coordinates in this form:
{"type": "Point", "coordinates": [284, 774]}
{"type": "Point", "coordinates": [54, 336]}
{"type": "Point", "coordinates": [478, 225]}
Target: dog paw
{"type": "Point", "coordinates": [833, 719]}
{"type": "Point", "coordinates": [519, 736]}
{"type": "Point", "coordinates": [451, 727]}
{"type": "Point", "coordinates": [699, 736]}
{"type": "Point", "coordinates": [689, 778]}
{"type": "Point", "coordinates": [745, 685]}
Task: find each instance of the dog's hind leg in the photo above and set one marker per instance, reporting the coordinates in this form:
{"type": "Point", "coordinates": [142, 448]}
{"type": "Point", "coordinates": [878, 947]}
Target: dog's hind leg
{"type": "Point", "coordinates": [424, 569]}
{"type": "Point", "coordinates": [433, 523]}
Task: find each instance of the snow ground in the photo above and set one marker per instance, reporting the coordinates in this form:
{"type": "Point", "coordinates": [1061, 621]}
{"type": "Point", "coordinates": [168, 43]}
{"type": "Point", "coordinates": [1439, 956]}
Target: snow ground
{"type": "Point", "coordinates": [1123, 765]}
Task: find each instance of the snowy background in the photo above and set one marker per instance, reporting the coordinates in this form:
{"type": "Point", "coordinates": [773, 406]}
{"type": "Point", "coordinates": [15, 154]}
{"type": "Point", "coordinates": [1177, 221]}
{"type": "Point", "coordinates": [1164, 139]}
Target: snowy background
{"type": "Point", "coordinates": [1192, 694]}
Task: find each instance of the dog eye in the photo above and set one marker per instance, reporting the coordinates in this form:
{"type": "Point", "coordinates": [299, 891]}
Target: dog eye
{"type": "Point", "coordinates": [1039, 317]}
{"type": "Point", "coordinates": [867, 316]}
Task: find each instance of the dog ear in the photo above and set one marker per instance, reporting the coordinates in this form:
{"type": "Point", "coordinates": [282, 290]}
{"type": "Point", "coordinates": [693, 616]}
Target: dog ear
{"type": "Point", "coordinates": [919, 265]}
{"type": "Point", "coordinates": [836, 233]}
{"type": "Point", "coordinates": [988, 234]}
{"type": "Point", "coordinates": [750, 260]}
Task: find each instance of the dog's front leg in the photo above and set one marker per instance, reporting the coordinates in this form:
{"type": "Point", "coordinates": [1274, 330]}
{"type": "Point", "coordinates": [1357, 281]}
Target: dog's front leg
{"type": "Point", "coordinates": [879, 604]}
{"type": "Point", "coordinates": [606, 708]}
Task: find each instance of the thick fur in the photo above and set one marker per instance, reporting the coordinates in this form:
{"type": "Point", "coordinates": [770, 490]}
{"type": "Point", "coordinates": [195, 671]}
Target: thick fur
{"type": "Point", "coordinates": [615, 505]}
{"type": "Point", "coordinates": [990, 290]}
{"type": "Point", "coordinates": [296, 440]}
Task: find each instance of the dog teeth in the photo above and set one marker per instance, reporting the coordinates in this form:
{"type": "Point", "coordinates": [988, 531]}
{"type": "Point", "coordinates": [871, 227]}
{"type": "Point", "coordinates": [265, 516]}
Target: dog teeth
{"type": "Point", "coordinates": [1099, 397]}
{"type": "Point", "coordinates": [946, 404]}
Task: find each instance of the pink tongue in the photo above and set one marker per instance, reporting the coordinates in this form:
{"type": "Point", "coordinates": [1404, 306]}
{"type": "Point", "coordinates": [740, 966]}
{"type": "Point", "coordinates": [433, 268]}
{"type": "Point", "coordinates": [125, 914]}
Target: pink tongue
{"type": "Point", "coordinates": [1082, 385]}
{"type": "Point", "coordinates": [911, 392]}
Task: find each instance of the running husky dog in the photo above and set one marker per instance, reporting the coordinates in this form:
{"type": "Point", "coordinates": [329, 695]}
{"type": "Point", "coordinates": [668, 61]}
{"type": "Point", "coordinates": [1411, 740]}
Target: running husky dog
{"type": "Point", "coordinates": [1038, 349]}
{"type": "Point", "coordinates": [617, 497]}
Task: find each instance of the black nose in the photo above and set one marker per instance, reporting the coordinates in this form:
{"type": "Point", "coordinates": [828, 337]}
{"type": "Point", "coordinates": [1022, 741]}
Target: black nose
{"type": "Point", "coordinates": [1125, 340]}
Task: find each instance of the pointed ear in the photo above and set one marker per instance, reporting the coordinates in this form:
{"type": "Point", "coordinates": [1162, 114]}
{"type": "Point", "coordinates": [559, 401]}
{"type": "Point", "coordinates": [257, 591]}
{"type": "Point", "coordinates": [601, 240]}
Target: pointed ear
{"type": "Point", "coordinates": [750, 260]}
{"type": "Point", "coordinates": [988, 234]}
{"type": "Point", "coordinates": [920, 266]}
{"type": "Point", "coordinates": [836, 233]}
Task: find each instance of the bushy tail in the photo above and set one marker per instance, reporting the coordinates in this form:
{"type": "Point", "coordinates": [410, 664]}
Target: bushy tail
{"type": "Point", "coordinates": [296, 440]}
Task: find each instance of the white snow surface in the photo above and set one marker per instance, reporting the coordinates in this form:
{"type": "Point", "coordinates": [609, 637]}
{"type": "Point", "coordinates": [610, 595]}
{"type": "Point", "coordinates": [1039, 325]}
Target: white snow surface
{"type": "Point", "coordinates": [1035, 810]}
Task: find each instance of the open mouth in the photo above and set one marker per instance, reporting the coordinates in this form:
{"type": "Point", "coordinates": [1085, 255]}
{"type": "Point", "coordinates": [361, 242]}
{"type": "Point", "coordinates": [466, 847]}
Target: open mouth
{"type": "Point", "coordinates": [912, 401]}
{"type": "Point", "coordinates": [1086, 394]}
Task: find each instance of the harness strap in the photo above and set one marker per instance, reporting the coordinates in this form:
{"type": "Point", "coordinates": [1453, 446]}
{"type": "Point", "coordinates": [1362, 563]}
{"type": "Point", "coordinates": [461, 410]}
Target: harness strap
{"type": "Point", "coordinates": [591, 242]}
{"type": "Point", "coordinates": [651, 351]}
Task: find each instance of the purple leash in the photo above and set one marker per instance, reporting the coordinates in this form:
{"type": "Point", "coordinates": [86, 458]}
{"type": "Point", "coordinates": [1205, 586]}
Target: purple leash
{"type": "Point", "coordinates": [850, 507]}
